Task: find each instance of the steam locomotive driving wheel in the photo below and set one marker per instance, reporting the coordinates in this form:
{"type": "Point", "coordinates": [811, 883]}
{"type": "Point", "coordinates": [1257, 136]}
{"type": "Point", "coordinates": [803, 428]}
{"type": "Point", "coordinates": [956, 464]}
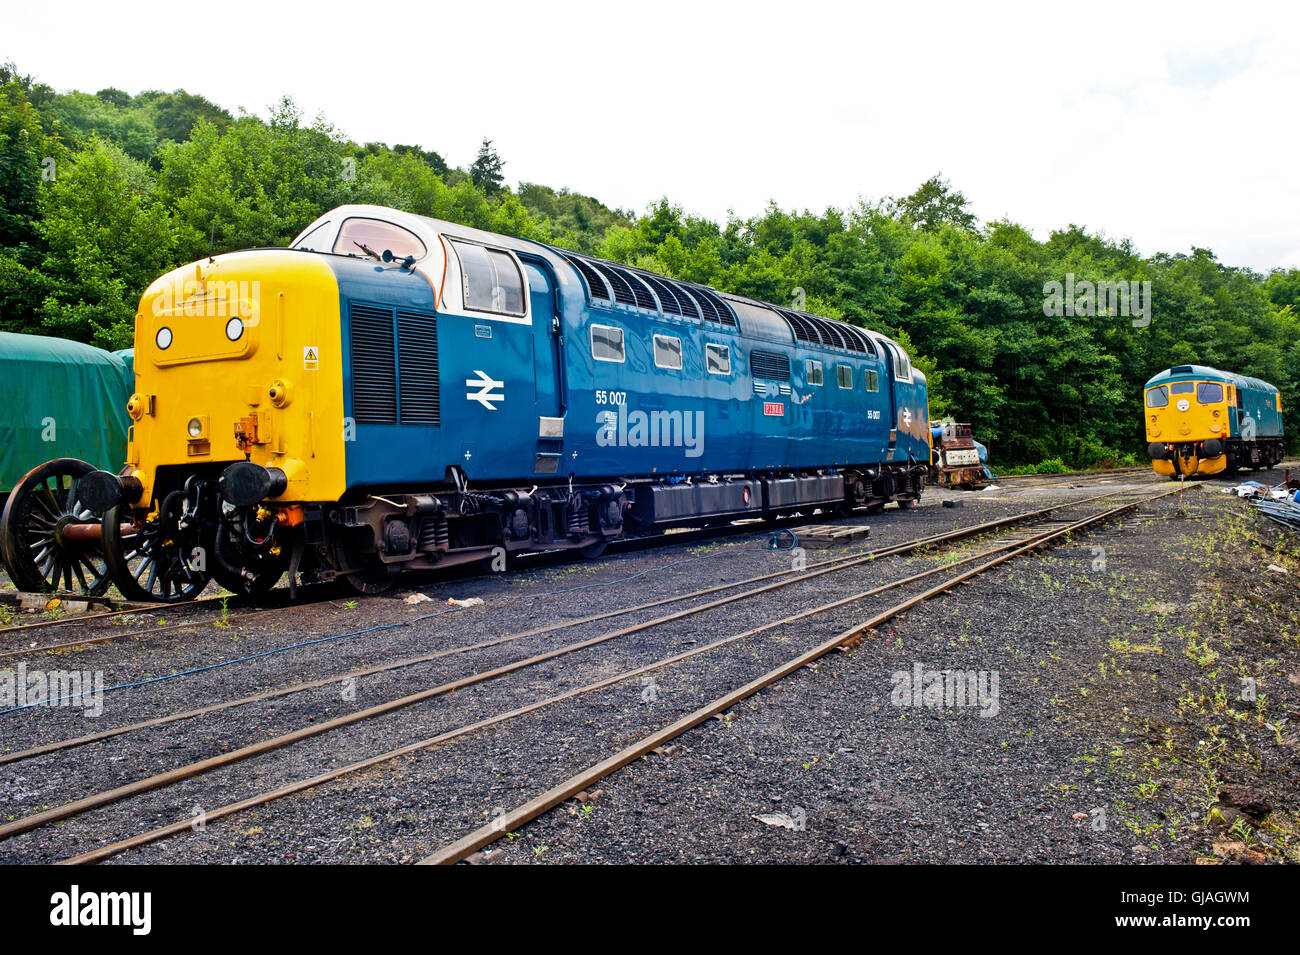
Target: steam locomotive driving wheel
{"type": "Point", "coordinates": [158, 558]}
{"type": "Point", "coordinates": [50, 539]}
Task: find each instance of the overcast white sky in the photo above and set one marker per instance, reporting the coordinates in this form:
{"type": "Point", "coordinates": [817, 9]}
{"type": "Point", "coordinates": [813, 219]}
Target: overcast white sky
{"type": "Point", "coordinates": [1173, 125]}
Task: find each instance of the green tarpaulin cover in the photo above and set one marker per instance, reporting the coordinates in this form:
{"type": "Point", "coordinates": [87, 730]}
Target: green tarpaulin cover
{"type": "Point", "coordinates": [60, 399]}
{"type": "Point", "coordinates": [128, 356]}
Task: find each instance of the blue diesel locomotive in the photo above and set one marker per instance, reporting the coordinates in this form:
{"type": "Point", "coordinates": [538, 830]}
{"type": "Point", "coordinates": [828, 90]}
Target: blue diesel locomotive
{"type": "Point", "coordinates": [395, 392]}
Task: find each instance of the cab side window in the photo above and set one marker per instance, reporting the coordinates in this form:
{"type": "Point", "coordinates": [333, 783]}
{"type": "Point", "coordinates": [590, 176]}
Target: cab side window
{"type": "Point", "coordinates": [490, 279]}
{"type": "Point", "coordinates": [813, 369]}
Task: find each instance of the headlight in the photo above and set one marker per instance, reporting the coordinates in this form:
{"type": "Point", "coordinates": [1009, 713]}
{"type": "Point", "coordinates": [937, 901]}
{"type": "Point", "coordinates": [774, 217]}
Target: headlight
{"type": "Point", "coordinates": [163, 339]}
{"type": "Point", "coordinates": [195, 428]}
{"type": "Point", "coordinates": [234, 328]}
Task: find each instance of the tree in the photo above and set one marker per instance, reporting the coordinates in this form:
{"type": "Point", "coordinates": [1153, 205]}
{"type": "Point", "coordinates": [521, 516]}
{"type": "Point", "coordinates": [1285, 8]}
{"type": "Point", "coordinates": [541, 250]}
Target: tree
{"type": "Point", "coordinates": [25, 155]}
{"type": "Point", "coordinates": [935, 203]}
{"type": "Point", "coordinates": [486, 170]}
{"type": "Point", "coordinates": [107, 239]}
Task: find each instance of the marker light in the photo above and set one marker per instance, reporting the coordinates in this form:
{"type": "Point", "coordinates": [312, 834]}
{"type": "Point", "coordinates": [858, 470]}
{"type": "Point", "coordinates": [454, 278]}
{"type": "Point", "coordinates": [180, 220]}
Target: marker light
{"type": "Point", "coordinates": [234, 328]}
{"type": "Point", "coordinates": [164, 338]}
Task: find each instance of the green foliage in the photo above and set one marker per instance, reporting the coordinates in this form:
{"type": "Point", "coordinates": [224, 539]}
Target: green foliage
{"type": "Point", "coordinates": [581, 221]}
{"type": "Point", "coordinates": [101, 193]}
{"type": "Point", "coordinates": [486, 172]}
{"type": "Point", "coordinates": [107, 239]}
{"type": "Point", "coordinates": [936, 204]}
{"type": "Point", "coordinates": [1050, 466]}
{"type": "Point", "coordinates": [24, 148]}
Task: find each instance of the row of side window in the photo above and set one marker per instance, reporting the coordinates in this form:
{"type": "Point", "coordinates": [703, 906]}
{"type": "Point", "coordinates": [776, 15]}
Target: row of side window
{"type": "Point", "coordinates": [607, 345]}
{"type": "Point", "coordinates": [843, 375]}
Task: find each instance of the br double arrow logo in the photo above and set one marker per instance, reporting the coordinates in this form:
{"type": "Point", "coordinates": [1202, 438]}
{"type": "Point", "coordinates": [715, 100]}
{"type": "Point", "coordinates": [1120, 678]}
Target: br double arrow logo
{"type": "Point", "coordinates": [487, 390]}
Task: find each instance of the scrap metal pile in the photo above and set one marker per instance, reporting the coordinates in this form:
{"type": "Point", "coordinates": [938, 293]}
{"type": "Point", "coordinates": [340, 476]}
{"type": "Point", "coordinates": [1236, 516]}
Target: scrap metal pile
{"type": "Point", "coordinates": [1279, 503]}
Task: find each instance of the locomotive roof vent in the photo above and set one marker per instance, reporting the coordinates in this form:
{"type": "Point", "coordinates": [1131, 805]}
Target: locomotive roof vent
{"type": "Point", "coordinates": [1180, 369]}
{"type": "Point", "coordinates": [637, 288]}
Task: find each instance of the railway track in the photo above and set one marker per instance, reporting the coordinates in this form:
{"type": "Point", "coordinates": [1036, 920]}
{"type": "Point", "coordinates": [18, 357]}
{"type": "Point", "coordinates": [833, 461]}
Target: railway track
{"type": "Point", "coordinates": [997, 555]}
{"type": "Point", "coordinates": [810, 572]}
{"type": "Point", "coordinates": [218, 607]}
{"type": "Point", "coordinates": [484, 836]}
{"type": "Point", "coordinates": [1066, 477]}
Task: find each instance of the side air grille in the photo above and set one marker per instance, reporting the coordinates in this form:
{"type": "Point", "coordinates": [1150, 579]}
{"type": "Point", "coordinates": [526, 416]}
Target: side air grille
{"type": "Point", "coordinates": [374, 361]}
{"type": "Point", "coordinates": [769, 365]}
{"type": "Point", "coordinates": [417, 361]}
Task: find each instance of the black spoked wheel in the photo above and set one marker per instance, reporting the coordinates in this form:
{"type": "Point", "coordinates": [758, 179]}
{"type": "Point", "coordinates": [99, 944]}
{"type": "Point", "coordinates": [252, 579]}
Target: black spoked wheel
{"type": "Point", "coordinates": [50, 540]}
{"type": "Point", "coordinates": [154, 560]}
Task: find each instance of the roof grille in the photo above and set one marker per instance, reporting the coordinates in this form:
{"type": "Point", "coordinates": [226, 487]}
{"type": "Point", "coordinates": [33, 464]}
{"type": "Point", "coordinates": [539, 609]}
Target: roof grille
{"type": "Point", "coordinates": [598, 286]}
{"type": "Point", "coordinates": [709, 302]}
{"type": "Point", "coordinates": [644, 297]}
{"type": "Point", "coordinates": [666, 297]}
{"type": "Point", "coordinates": [689, 308]}
{"type": "Point", "coordinates": [622, 291]}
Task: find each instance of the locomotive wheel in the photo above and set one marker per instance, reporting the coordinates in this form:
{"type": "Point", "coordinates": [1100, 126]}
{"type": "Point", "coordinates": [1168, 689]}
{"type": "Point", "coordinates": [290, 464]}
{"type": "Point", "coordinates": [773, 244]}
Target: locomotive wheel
{"type": "Point", "coordinates": [371, 581]}
{"type": "Point", "coordinates": [593, 551]}
{"type": "Point", "coordinates": [39, 532]}
{"type": "Point", "coordinates": [151, 562]}
{"type": "Point", "coordinates": [266, 573]}
{"type": "Point", "coordinates": [266, 576]}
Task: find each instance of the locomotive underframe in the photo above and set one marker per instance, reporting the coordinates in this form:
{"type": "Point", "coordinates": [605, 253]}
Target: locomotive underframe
{"type": "Point", "coordinates": [387, 533]}
{"type": "Point", "coordinates": [1260, 453]}
{"type": "Point", "coordinates": [376, 533]}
